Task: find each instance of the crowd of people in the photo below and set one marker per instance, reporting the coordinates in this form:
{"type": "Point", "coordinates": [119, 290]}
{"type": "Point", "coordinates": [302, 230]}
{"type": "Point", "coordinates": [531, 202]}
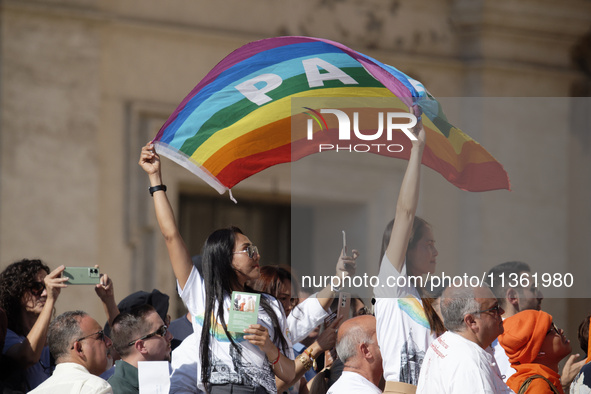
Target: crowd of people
{"type": "Point", "coordinates": [489, 339]}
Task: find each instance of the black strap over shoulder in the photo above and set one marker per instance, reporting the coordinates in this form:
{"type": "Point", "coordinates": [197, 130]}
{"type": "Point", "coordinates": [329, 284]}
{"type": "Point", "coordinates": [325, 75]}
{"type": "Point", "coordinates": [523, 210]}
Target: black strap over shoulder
{"type": "Point", "coordinates": [527, 382]}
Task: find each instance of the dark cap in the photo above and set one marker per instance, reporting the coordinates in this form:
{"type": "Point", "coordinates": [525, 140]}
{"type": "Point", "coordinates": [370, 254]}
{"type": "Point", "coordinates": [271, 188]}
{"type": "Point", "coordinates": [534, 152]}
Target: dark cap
{"type": "Point", "coordinates": [156, 298]}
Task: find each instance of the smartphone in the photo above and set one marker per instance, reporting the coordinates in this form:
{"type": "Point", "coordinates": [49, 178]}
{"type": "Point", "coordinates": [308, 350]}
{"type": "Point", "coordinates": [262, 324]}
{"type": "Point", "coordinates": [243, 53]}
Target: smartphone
{"type": "Point", "coordinates": [344, 307]}
{"type": "Point", "coordinates": [82, 275]}
{"type": "Point", "coordinates": [347, 266]}
{"type": "Point", "coordinates": [329, 319]}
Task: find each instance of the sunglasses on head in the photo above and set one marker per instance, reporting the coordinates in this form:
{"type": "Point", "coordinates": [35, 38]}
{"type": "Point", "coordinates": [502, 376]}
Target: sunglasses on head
{"type": "Point", "coordinates": [161, 332]}
{"type": "Point", "coordinates": [37, 288]}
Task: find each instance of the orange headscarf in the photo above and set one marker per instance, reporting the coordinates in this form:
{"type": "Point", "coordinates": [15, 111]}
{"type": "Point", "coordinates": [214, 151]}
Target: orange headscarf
{"type": "Point", "coordinates": [537, 385]}
{"type": "Point", "coordinates": [524, 335]}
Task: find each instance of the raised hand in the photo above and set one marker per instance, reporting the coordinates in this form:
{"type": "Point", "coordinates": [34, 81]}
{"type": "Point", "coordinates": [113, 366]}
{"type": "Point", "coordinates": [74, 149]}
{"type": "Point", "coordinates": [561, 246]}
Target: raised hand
{"type": "Point", "coordinates": [259, 336]}
{"type": "Point", "coordinates": [149, 159]}
{"type": "Point", "coordinates": [571, 369]}
{"type": "Point", "coordinates": [419, 132]}
{"type": "Point", "coordinates": [328, 338]}
{"type": "Point", "coordinates": [54, 283]}
{"type": "Point", "coordinates": [104, 290]}
{"type": "Point", "coordinates": [346, 265]}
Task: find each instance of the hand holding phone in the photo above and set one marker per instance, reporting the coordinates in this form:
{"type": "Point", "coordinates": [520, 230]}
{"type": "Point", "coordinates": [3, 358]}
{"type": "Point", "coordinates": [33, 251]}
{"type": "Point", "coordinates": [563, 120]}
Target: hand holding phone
{"type": "Point", "coordinates": [346, 263]}
{"type": "Point", "coordinates": [344, 307]}
{"type": "Point", "coordinates": [82, 275]}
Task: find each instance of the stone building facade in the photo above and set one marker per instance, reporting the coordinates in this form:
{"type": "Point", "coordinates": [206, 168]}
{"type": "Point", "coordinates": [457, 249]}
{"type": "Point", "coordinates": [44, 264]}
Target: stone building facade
{"type": "Point", "coordinates": [85, 83]}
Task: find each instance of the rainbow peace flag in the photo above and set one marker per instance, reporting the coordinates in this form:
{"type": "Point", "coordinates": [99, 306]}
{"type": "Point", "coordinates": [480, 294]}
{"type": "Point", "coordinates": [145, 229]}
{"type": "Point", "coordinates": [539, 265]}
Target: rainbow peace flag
{"type": "Point", "coordinates": [240, 120]}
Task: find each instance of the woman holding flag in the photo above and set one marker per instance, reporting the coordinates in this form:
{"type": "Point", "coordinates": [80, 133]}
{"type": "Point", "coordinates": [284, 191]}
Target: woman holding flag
{"type": "Point", "coordinates": [229, 361]}
{"type": "Point", "coordinates": [409, 250]}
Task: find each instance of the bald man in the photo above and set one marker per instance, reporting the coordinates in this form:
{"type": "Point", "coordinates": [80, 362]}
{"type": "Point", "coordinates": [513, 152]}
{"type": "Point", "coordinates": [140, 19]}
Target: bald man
{"type": "Point", "coordinates": [461, 360]}
{"type": "Point", "coordinates": [357, 347]}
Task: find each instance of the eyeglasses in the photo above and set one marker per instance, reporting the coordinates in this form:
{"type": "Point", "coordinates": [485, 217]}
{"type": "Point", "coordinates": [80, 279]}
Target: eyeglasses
{"type": "Point", "coordinates": [496, 309]}
{"type": "Point", "coordinates": [161, 332]}
{"type": "Point", "coordinates": [553, 327]}
{"type": "Point", "coordinates": [291, 301]}
{"type": "Point", "coordinates": [37, 288]}
{"type": "Point", "coordinates": [250, 250]}
{"type": "Point", "coordinates": [101, 337]}
{"type": "Point", "coordinates": [363, 311]}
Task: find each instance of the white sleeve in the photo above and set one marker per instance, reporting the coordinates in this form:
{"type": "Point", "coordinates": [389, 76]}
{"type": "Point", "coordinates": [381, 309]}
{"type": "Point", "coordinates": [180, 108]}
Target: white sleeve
{"type": "Point", "coordinates": [393, 284]}
{"type": "Point", "coordinates": [304, 318]}
{"type": "Point", "coordinates": [193, 295]}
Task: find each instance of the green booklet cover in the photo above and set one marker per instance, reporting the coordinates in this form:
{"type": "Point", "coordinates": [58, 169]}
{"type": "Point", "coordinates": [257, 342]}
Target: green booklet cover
{"type": "Point", "coordinates": [244, 311]}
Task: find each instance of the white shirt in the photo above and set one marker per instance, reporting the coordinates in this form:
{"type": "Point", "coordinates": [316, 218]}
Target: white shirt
{"type": "Point", "coordinates": [502, 360]}
{"type": "Point", "coordinates": [185, 359]}
{"type": "Point", "coordinates": [251, 368]}
{"type": "Point", "coordinates": [453, 364]}
{"type": "Point", "coordinates": [304, 318]}
{"type": "Point", "coordinates": [581, 385]}
{"type": "Point", "coordinates": [402, 327]}
{"type": "Point", "coordinates": [353, 383]}
{"type": "Point", "coordinates": [72, 378]}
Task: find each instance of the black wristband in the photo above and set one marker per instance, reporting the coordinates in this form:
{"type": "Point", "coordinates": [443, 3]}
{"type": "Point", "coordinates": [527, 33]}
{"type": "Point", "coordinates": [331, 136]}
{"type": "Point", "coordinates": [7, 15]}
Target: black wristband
{"type": "Point", "coordinates": [154, 189]}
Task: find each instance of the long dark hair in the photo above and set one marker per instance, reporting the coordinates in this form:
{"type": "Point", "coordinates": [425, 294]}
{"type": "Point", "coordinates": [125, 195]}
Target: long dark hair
{"type": "Point", "coordinates": [15, 281]}
{"type": "Point", "coordinates": [220, 279]}
{"type": "Point", "coordinates": [419, 226]}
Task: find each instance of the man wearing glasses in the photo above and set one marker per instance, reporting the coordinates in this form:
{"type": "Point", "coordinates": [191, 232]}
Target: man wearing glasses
{"type": "Point", "coordinates": [79, 346]}
{"type": "Point", "coordinates": [461, 360]}
{"type": "Point", "coordinates": [138, 335]}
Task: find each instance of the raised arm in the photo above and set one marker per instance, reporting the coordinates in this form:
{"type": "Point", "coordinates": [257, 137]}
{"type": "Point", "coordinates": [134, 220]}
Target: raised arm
{"type": "Point", "coordinates": [106, 292]}
{"type": "Point", "coordinates": [177, 250]}
{"type": "Point", "coordinates": [29, 351]}
{"type": "Point", "coordinates": [407, 202]}
{"type": "Point", "coordinates": [346, 266]}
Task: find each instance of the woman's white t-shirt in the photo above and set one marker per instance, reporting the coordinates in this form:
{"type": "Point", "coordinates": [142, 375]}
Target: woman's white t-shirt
{"type": "Point", "coordinates": [403, 330]}
{"type": "Point", "coordinates": [227, 366]}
